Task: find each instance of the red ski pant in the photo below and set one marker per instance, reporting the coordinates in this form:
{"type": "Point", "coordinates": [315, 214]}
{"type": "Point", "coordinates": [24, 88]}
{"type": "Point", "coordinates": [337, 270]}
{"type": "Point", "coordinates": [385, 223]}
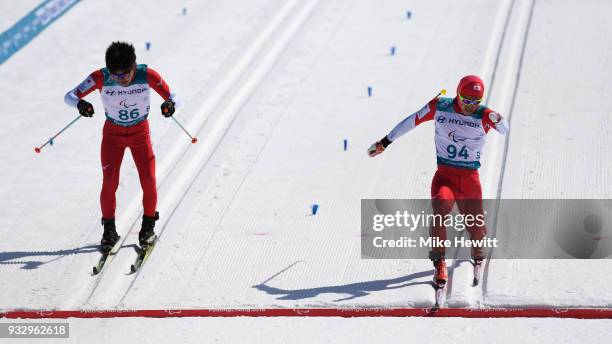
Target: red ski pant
{"type": "Point", "coordinates": [115, 139]}
{"type": "Point", "coordinates": [452, 185]}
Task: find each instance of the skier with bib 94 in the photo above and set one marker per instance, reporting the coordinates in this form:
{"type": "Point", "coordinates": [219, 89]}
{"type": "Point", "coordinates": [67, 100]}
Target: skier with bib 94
{"type": "Point", "coordinates": [125, 90]}
{"type": "Point", "coordinates": [461, 125]}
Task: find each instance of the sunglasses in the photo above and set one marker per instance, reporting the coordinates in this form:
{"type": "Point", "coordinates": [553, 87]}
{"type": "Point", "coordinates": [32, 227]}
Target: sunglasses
{"type": "Point", "coordinates": [469, 101]}
{"type": "Point", "coordinates": [121, 75]}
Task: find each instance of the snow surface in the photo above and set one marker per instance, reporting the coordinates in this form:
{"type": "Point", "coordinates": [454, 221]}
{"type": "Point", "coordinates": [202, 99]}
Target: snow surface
{"type": "Point", "coordinates": [271, 89]}
{"type": "Point", "coordinates": [12, 11]}
{"type": "Point", "coordinates": [330, 330]}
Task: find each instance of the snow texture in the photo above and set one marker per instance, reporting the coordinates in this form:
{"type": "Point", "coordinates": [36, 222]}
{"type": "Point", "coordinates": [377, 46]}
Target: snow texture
{"type": "Point", "coordinates": [271, 89]}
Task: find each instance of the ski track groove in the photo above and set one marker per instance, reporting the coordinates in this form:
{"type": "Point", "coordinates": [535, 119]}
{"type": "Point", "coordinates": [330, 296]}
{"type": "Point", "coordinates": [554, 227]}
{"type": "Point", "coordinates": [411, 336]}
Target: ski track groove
{"type": "Point", "coordinates": [280, 44]}
{"type": "Point", "coordinates": [485, 272]}
{"type": "Point", "coordinates": [479, 293]}
{"type": "Point", "coordinates": [227, 85]}
{"type": "Point", "coordinates": [254, 64]}
{"type": "Point", "coordinates": [237, 188]}
{"type": "Point", "coordinates": [491, 83]}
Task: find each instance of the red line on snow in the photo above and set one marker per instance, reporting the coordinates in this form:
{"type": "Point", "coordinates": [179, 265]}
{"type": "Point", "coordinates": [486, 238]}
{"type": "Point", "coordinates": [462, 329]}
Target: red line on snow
{"type": "Point", "coordinates": [577, 313]}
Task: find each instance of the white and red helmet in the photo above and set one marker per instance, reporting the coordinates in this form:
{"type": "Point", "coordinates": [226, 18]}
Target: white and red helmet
{"type": "Point", "coordinates": [471, 86]}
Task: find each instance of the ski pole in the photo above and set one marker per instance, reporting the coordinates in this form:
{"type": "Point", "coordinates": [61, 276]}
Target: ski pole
{"type": "Point", "coordinates": [193, 139]}
{"type": "Point", "coordinates": [50, 141]}
{"type": "Point", "coordinates": [442, 92]}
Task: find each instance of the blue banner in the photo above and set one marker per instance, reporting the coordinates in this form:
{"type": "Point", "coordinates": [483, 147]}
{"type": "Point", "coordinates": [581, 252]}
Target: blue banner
{"type": "Point", "coordinates": [28, 27]}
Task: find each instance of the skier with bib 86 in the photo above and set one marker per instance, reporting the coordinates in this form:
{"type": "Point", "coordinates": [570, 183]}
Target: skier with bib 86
{"type": "Point", "coordinates": [125, 90]}
{"type": "Point", "coordinates": [461, 125]}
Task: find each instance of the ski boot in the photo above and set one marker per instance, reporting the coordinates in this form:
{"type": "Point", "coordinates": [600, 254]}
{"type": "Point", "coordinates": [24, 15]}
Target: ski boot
{"type": "Point", "coordinates": [440, 274]}
{"type": "Point", "coordinates": [147, 236]}
{"type": "Point", "coordinates": [110, 236]}
{"type": "Point", "coordinates": [478, 263]}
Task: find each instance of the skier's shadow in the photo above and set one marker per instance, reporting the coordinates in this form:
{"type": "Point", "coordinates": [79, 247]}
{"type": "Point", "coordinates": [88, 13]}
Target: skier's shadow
{"type": "Point", "coordinates": [353, 290]}
{"type": "Point", "coordinates": [16, 257]}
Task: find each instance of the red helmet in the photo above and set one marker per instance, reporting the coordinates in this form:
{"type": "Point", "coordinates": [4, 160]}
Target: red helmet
{"type": "Point", "coordinates": [471, 86]}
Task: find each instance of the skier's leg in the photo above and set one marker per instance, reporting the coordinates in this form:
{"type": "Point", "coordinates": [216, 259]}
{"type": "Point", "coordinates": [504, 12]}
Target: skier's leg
{"type": "Point", "coordinates": [442, 200]}
{"type": "Point", "coordinates": [111, 155]}
{"type": "Point", "coordinates": [144, 158]}
{"type": "Point", "coordinates": [142, 152]}
{"type": "Point", "coordinates": [471, 203]}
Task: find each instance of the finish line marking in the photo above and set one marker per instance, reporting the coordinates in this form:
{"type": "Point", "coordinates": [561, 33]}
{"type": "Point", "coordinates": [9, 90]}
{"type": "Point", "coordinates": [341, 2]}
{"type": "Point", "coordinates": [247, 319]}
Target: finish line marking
{"type": "Point", "coordinates": [576, 313]}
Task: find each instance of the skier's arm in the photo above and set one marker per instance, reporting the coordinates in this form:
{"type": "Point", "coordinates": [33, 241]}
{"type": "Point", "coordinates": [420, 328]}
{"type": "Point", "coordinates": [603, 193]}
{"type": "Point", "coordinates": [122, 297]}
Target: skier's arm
{"type": "Point", "coordinates": [74, 97]}
{"type": "Point", "coordinates": [93, 82]}
{"type": "Point", "coordinates": [161, 87]}
{"type": "Point", "coordinates": [425, 114]}
{"type": "Point", "coordinates": [410, 122]}
{"type": "Point", "coordinates": [492, 119]}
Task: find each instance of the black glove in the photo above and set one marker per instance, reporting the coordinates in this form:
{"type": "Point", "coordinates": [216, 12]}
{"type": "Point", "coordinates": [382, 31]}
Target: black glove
{"type": "Point", "coordinates": [167, 108]}
{"type": "Point", "coordinates": [85, 108]}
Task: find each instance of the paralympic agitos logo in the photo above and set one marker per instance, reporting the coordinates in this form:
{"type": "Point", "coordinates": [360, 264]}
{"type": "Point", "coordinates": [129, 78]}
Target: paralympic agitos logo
{"type": "Point", "coordinates": [125, 104]}
{"type": "Point", "coordinates": [456, 138]}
